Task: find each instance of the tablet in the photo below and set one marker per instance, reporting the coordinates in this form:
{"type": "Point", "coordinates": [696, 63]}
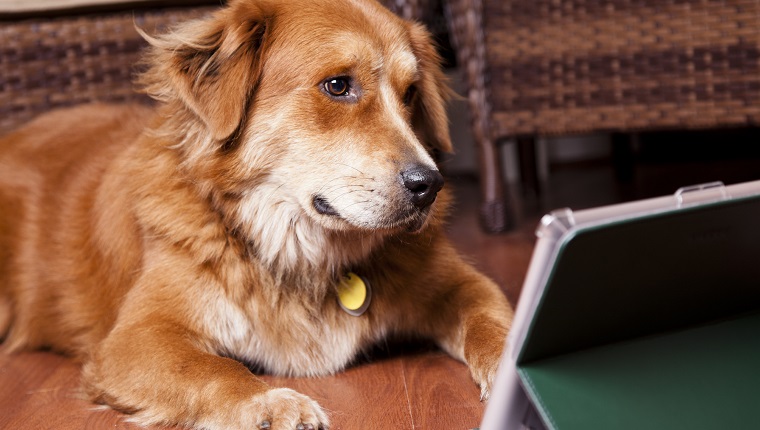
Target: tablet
{"type": "Point", "coordinates": [638, 315]}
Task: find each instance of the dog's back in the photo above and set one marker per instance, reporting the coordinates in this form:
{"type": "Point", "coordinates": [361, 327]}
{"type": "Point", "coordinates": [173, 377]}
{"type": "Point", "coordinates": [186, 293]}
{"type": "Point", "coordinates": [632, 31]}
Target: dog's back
{"type": "Point", "coordinates": [47, 168]}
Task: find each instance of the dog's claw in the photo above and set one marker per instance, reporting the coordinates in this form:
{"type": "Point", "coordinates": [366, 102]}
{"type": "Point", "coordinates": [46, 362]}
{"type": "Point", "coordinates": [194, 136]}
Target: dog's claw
{"type": "Point", "coordinates": [485, 393]}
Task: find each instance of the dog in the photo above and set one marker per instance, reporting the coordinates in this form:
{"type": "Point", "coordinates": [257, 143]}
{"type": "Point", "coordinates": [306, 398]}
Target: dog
{"type": "Point", "coordinates": [280, 206]}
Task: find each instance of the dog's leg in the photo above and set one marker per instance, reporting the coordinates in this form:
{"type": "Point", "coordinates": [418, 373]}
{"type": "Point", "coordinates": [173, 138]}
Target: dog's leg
{"type": "Point", "coordinates": [162, 374]}
{"type": "Point", "coordinates": [467, 314]}
{"type": "Point", "coordinates": [481, 335]}
{"type": "Point", "coordinates": [482, 318]}
{"type": "Point", "coordinates": [484, 337]}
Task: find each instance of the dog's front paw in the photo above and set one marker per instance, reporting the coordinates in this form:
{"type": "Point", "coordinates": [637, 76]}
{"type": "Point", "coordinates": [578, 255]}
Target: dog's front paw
{"type": "Point", "coordinates": [484, 345]}
{"type": "Point", "coordinates": [484, 373]}
{"type": "Point", "coordinates": [284, 409]}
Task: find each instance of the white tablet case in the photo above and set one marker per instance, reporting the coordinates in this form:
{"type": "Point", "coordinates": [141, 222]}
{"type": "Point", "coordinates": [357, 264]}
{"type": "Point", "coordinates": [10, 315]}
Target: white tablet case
{"type": "Point", "coordinates": [509, 407]}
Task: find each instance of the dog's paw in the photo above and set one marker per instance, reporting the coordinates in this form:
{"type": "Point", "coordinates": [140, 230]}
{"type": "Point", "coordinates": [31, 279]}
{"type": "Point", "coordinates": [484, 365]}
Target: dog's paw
{"type": "Point", "coordinates": [274, 409]}
{"type": "Point", "coordinates": [285, 409]}
{"type": "Point", "coordinates": [484, 344]}
{"type": "Point", "coordinates": [484, 374]}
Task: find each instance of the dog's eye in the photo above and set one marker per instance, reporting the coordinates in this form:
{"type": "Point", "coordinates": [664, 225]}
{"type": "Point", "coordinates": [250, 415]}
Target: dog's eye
{"type": "Point", "coordinates": [409, 95]}
{"type": "Point", "coordinates": [337, 87]}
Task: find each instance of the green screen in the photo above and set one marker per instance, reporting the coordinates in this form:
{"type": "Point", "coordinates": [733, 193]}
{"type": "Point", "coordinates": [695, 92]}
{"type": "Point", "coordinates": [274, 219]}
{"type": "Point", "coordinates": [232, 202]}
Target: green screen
{"type": "Point", "coordinates": [652, 323]}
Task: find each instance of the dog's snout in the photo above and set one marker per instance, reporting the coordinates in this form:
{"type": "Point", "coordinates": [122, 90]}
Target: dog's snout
{"type": "Point", "coordinates": [423, 183]}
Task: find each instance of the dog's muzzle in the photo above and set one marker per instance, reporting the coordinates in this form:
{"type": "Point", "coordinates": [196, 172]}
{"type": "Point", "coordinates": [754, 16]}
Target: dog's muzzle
{"type": "Point", "coordinates": [418, 187]}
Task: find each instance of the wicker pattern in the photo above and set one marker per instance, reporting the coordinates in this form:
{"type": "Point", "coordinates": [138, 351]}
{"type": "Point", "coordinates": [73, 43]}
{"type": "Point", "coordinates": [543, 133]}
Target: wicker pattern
{"type": "Point", "coordinates": [407, 9]}
{"type": "Point", "coordinates": [55, 62]}
{"type": "Point", "coordinates": [560, 67]}
{"type": "Point", "coordinates": [572, 66]}
{"type": "Point", "coordinates": [47, 62]}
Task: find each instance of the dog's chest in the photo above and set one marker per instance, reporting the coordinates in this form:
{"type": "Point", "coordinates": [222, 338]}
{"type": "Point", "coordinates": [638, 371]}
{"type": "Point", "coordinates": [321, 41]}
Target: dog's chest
{"type": "Point", "coordinates": [286, 339]}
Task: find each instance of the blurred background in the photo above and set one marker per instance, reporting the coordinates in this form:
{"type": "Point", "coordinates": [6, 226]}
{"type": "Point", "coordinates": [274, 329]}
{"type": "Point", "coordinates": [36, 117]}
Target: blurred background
{"type": "Point", "coordinates": [563, 102]}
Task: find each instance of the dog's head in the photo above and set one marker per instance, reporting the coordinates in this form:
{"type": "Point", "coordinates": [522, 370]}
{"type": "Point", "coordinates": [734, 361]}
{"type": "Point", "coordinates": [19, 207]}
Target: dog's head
{"type": "Point", "coordinates": [330, 111]}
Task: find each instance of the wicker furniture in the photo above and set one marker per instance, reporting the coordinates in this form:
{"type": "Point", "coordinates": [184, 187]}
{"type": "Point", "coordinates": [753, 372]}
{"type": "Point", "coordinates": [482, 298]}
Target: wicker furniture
{"type": "Point", "coordinates": [67, 57]}
{"type": "Point", "coordinates": [560, 67]}
{"type": "Point", "coordinates": [51, 62]}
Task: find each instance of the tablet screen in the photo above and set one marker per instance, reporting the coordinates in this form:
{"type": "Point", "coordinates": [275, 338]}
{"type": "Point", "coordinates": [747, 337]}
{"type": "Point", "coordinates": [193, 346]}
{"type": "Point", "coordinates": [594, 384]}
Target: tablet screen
{"type": "Point", "coordinates": [647, 275]}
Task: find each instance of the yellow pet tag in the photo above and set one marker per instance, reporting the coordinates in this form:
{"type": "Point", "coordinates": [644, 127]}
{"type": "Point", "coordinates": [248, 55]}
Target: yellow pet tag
{"type": "Point", "coordinates": [354, 294]}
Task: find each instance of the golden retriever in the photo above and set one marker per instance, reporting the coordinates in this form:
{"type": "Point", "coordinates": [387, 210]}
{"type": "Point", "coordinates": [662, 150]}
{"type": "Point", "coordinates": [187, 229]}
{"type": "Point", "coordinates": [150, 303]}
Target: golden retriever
{"type": "Point", "coordinates": [292, 148]}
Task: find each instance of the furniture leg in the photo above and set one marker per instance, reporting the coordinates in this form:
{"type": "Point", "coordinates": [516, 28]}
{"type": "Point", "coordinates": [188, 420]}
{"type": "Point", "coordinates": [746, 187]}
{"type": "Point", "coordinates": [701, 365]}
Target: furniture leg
{"type": "Point", "coordinates": [496, 212]}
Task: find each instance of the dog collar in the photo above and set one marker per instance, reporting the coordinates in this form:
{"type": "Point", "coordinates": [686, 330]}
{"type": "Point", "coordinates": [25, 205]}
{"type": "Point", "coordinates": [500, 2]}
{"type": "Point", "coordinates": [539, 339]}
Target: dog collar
{"type": "Point", "coordinates": [354, 294]}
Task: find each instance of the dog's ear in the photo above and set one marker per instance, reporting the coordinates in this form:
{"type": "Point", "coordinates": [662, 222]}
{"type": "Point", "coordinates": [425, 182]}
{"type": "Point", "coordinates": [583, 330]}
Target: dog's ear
{"type": "Point", "coordinates": [429, 117]}
{"type": "Point", "coordinates": [210, 65]}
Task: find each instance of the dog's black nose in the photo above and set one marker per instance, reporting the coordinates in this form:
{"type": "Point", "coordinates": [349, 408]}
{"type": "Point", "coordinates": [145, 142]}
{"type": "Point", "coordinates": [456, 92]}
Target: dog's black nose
{"type": "Point", "coordinates": [423, 184]}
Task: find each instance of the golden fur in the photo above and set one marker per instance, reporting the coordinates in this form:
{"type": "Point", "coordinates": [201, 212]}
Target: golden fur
{"type": "Point", "coordinates": [160, 246]}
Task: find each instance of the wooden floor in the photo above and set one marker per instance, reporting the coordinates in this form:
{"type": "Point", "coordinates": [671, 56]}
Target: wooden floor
{"type": "Point", "coordinates": [401, 387]}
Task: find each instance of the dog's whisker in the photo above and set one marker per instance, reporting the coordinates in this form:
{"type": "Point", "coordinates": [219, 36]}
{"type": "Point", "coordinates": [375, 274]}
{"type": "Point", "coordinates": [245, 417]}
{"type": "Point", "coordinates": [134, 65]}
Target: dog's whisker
{"type": "Point", "coordinates": [351, 167]}
{"type": "Point", "coordinates": [351, 188]}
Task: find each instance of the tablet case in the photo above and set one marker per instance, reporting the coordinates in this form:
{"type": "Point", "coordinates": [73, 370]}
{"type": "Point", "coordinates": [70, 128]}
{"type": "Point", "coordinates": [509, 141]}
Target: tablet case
{"type": "Point", "coordinates": [639, 316]}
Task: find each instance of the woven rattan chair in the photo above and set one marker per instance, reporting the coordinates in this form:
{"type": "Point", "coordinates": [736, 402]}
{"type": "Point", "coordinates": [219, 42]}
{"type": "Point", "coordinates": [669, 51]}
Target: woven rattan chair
{"type": "Point", "coordinates": [62, 58]}
{"type": "Point", "coordinates": [561, 67]}
{"type": "Point", "coordinates": [74, 57]}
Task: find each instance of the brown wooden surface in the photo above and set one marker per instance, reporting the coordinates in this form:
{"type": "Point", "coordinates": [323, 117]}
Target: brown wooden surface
{"type": "Point", "coordinates": [399, 387]}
